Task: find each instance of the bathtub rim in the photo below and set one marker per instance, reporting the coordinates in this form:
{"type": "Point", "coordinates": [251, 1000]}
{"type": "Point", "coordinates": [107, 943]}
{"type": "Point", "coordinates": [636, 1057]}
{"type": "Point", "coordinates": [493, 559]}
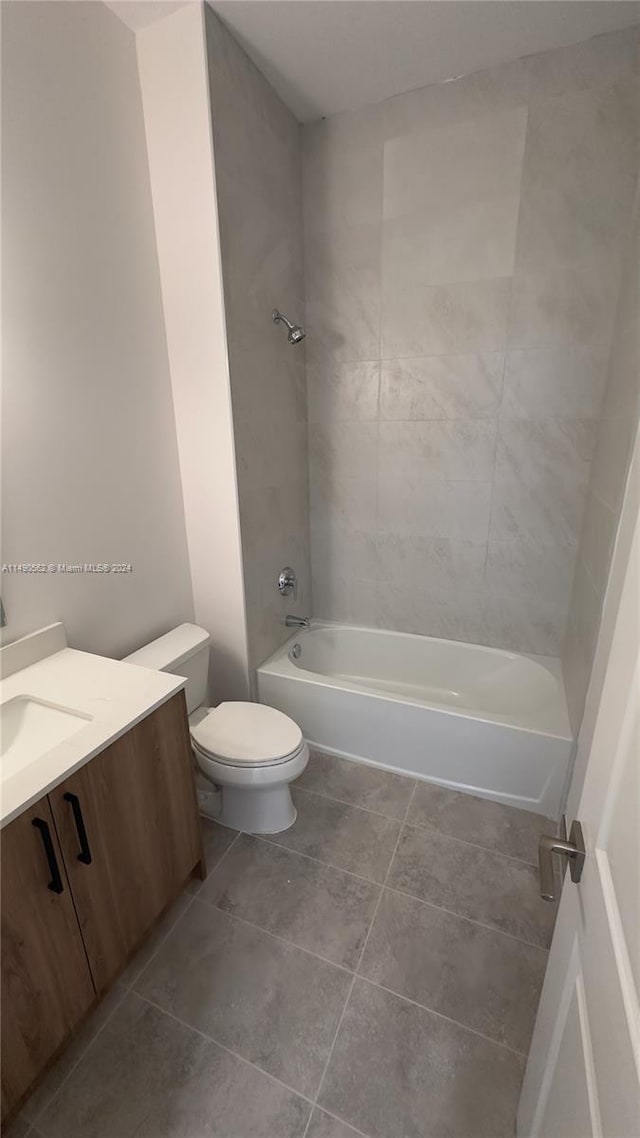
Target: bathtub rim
{"type": "Point", "coordinates": [280, 664]}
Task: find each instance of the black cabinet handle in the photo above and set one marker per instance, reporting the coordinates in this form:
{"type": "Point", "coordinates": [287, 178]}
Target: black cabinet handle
{"type": "Point", "coordinates": [85, 851]}
{"type": "Point", "coordinates": [55, 885]}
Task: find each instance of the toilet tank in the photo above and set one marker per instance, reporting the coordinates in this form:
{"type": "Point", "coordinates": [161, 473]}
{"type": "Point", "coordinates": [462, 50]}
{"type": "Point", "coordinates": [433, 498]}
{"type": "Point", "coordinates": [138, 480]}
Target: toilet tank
{"type": "Point", "coordinates": [183, 652]}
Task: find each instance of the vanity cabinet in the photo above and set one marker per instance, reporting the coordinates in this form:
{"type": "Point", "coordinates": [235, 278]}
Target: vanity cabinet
{"type": "Point", "coordinates": [86, 872]}
{"type": "Point", "coordinates": [46, 983]}
{"type": "Point", "coordinates": [126, 828]}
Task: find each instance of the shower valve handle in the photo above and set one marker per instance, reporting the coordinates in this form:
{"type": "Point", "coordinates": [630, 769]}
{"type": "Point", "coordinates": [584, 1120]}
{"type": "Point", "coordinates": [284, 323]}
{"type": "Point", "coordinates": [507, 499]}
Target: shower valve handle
{"type": "Point", "coordinates": [288, 582]}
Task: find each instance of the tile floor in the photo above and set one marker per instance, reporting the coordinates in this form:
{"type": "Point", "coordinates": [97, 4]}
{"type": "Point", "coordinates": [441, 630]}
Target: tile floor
{"type": "Point", "coordinates": [373, 971]}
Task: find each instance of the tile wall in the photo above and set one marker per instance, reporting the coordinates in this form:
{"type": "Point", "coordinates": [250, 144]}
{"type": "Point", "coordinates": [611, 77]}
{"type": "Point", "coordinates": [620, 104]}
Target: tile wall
{"type": "Point", "coordinates": [462, 258]}
{"type": "Point", "coordinates": [257, 154]}
{"type": "Point", "coordinates": [616, 434]}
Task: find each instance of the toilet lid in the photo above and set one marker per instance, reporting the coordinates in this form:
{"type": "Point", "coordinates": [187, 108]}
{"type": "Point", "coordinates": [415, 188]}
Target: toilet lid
{"type": "Point", "coordinates": [247, 733]}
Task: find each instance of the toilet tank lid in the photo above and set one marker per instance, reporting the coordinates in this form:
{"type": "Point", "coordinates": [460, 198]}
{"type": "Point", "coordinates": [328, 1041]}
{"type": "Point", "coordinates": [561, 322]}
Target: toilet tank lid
{"type": "Point", "coordinates": [169, 651]}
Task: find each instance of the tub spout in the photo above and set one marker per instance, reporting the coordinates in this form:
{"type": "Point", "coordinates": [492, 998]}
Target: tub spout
{"type": "Point", "coordinates": [297, 621]}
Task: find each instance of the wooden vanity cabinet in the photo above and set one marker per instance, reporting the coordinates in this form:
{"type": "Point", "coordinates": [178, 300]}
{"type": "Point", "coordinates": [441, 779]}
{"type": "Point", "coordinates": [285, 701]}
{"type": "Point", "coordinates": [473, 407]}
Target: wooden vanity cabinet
{"type": "Point", "coordinates": [46, 982]}
{"type": "Point", "coordinates": [127, 823]}
{"type": "Point", "coordinates": [86, 872]}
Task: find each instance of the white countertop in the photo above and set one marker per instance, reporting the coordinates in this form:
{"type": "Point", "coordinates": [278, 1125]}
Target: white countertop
{"type": "Point", "coordinates": [115, 694]}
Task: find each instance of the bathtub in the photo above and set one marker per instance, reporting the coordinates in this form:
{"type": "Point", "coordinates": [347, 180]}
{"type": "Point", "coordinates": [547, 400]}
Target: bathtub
{"type": "Point", "coordinates": [483, 720]}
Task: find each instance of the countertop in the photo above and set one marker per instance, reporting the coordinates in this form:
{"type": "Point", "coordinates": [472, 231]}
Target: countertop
{"type": "Point", "coordinates": [115, 694]}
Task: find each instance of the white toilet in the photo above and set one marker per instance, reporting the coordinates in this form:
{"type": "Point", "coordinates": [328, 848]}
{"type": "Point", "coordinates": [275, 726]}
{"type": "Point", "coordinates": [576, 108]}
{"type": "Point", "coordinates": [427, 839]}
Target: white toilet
{"type": "Point", "coordinates": [249, 751]}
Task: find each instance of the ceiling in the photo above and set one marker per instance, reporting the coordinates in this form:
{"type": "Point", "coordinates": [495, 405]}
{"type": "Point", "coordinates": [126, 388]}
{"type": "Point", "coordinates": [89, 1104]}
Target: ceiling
{"type": "Point", "coordinates": [326, 56]}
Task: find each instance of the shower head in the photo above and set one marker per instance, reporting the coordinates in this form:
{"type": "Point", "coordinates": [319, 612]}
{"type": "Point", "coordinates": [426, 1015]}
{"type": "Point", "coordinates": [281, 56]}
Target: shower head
{"type": "Point", "coordinates": [296, 333]}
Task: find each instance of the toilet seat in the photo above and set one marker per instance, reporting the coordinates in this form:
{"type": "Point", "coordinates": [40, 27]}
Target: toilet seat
{"type": "Point", "coordinates": [239, 734]}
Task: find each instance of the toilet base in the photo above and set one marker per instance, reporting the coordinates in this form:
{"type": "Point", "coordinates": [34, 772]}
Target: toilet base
{"type": "Point", "coordinates": [210, 804]}
{"type": "Point", "coordinates": [264, 810]}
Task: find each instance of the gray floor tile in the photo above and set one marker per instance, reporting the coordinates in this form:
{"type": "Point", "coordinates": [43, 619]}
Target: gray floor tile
{"type": "Point", "coordinates": [357, 784]}
{"type": "Point", "coordinates": [319, 908]}
{"type": "Point", "coordinates": [475, 883]}
{"type": "Point", "coordinates": [490, 824]}
{"type": "Point", "coordinates": [151, 945]}
{"type": "Point", "coordinates": [481, 978]}
{"type": "Point", "coordinates": [75, 1049]}
{"type": "Point", "coordinates": [399, 1071]}
{"type": "Point", "coordinates": [268, 1001]}
{"type": "Point", "coordinates": [322, 1125]}
{"type": "Point", "coordinates": [216, 840]}
{"type": "Point", "coordinates": [150, 1077]}
{"type": "Point", "coordinates": [340, 835]}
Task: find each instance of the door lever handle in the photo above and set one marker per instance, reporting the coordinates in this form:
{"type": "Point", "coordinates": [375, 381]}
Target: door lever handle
{"type": "Point", "coordinates": [573, 849]}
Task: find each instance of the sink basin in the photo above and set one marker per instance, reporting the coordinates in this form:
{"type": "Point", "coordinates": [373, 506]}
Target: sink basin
{"type": "Point", "coordinates": [29, 727]}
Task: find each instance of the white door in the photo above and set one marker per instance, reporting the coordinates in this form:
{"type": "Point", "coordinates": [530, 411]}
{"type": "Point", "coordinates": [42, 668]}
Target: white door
{"type": "Point", "coordinates": [583, 1073]}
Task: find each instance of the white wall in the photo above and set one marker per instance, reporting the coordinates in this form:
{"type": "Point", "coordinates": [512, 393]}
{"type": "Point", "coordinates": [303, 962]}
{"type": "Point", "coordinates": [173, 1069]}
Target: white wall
{"type": "Point", "coordinates": [90, 466]}
{"type": "Point", "coordinates": [175, 93]}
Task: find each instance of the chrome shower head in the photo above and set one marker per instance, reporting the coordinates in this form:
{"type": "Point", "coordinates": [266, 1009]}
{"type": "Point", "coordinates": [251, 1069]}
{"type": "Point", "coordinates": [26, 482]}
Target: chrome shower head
{"type": "Point", "coordinates": [296, 332]}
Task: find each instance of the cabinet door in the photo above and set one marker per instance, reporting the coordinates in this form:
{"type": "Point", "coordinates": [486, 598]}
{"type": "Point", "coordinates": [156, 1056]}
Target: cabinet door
{"type": "Point", "coordinates": [46, 982]}
{"type": "Point", "coordinates": [130, 834]}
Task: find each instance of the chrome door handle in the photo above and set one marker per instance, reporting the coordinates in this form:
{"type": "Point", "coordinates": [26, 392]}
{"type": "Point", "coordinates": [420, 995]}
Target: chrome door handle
{"type": "Point", "coordinates": [573, 850]}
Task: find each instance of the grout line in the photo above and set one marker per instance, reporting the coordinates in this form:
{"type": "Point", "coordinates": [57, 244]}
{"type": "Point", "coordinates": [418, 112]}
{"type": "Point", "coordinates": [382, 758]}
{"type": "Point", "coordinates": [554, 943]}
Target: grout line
{"type": "Point", "coordinates": [463, 917]}
{"type": "Point", "coordinates": [134, 979]}
{"type": "Point", "coordinates": [223, 1046]}
{"type": "Point", "coordinates": [356, 806]}
{"type": "Point", "coordinates": [275, 936]}
{"type": "Point", "coordinates": [272, 839]}
{"type": "Point", "coordinates": [362, 952]}
{"type": "Point", "coordinates": [328, 864]}
{"type": "Point", "coordinates": [197, 892]}
{"type": "Point", "coordinates": [416, 825]}
{"type": "Point", "coordinates": [383, 888]}
{"type": "Point", "coordinates": [441, 1015]}
{"type": "Point", "coordinates": [337, 1118]}
{"type": "Point", "coordinates": [318, 861]}
{"type": "Point", "coordinates": [474, 845]}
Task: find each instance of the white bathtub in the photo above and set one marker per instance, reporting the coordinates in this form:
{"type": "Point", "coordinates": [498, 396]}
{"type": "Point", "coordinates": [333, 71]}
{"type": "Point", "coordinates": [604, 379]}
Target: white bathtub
{"type": "Point", "coordinates": [478, 719]}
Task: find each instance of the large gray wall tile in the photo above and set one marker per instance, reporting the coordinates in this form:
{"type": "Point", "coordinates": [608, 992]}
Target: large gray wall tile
{"type": "Point", "coordinates": [441, 387]}
{"type": "Point", "coordinates": [461, 450]}
{"type": "Point", "coordinates": [343, 292]}
{"type": "Point", "coordinates": [441, 319]}
{"type": "Point", "coordinates": [617, 431]}
{"type": "Point", "coordinates": [258, 159]}
{"type": "Point", "coordinates": [445, 226]}
{"type": "Point", "coordinates": [434, 509]}
{"type": "Point", "coordinates": [462, 163]}
{"type": "Point", "coordinates": [342, 392]}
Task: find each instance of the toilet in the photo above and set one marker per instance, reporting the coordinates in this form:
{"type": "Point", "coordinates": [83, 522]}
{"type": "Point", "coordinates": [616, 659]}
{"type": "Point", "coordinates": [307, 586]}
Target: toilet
{"type": "Point", "coordinates": [249, 753]}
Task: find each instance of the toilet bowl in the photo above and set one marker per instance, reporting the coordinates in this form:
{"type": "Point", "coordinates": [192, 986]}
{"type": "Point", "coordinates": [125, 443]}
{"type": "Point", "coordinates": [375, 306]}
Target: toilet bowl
{"type": "Point", "coordinates": [247, 752]}
{"type": "Point", "coordinates": [252, 753]}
